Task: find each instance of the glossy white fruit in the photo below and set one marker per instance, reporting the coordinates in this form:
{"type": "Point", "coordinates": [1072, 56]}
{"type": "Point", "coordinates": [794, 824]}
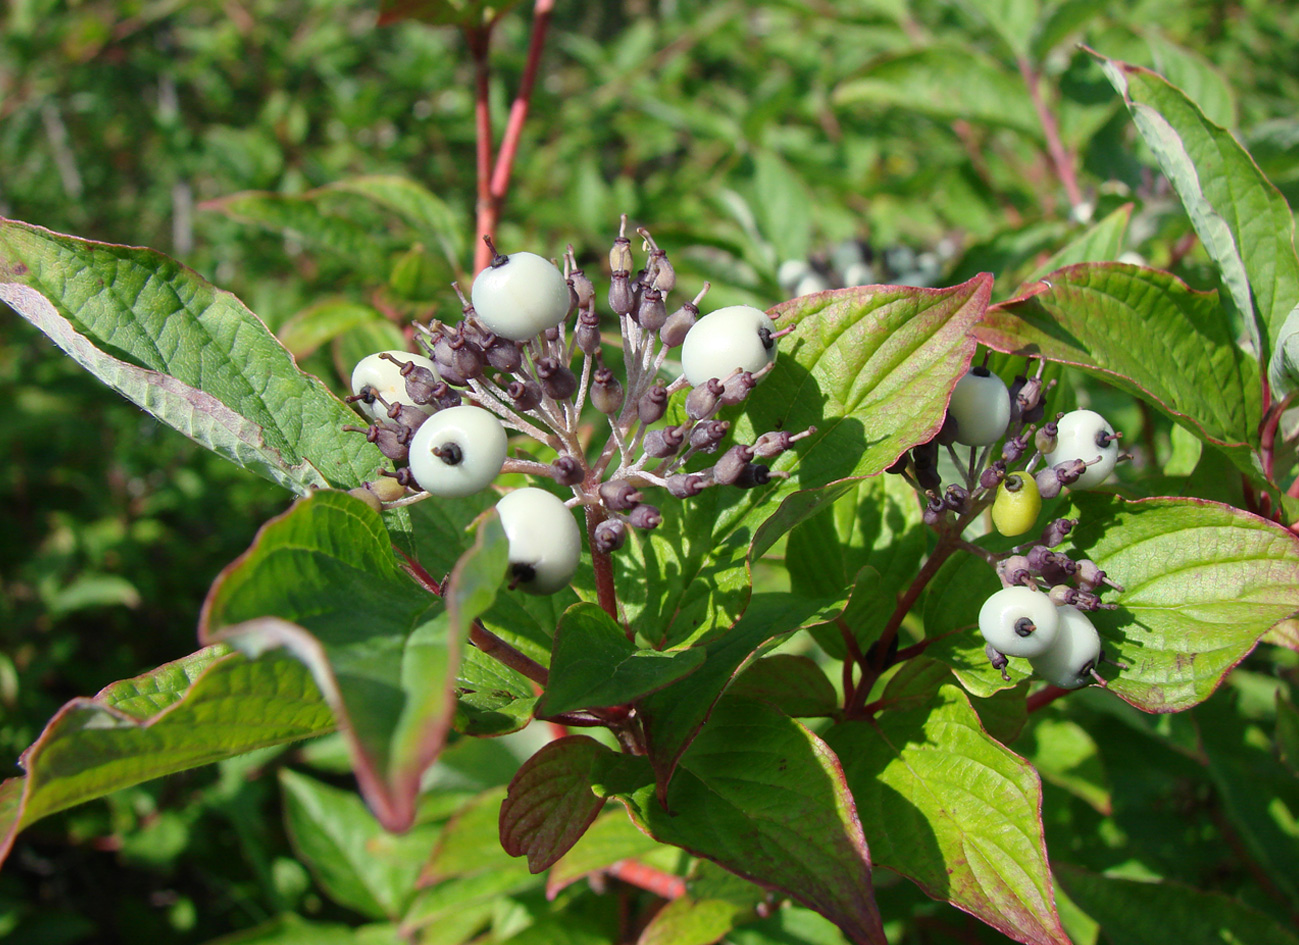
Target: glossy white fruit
{"type": "Point", "coordinates": [1085, 435]}
{"type": "Point", "coordinates": [1019, 621]}
{"type": "Point", "coordinates": [523, 296]}
{"type": "Point", "coordinates": [980, 405]}
{"type": "Point", "coordinates": [545, 542]}
{"type": "Point", "coordinates": [731, 338]}
{"type": "Point", "coordinates": [385, 377]}
{"type": "Point", "coordinates": [1077, 648]}
{"type": "Point", "coordinates": [457, 451]}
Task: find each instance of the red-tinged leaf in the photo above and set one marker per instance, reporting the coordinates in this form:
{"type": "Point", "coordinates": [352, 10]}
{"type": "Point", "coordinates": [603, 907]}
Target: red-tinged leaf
{"type": "Point", "coordinates": [211, 705]}
{"type": "Point", "coordinates": [760, 795]}
{"type": "Point", "coordinates": [321, 582]}
{"type": "Point", "coordinates": [953, 810]}
{"type": "Point", "coordinates": [549, 803]}
{"type": "Point", "coordinates": [1203, 582]}
{"type": "Point", "coordinates": [1125, 324]}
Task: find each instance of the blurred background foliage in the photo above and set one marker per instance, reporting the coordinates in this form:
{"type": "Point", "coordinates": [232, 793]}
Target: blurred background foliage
{"type": "Point", "coordinates": [770, 146]}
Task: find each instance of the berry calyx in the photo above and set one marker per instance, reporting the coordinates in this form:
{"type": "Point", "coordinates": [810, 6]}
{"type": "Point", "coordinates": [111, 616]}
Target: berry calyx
{"type": "Point", "coordinates": [980, 405]}
{"type": "Point", "coordinates": [520, 295]}
{"type": "Point", "coordinates": [1071, 660]}
{"type": "Point", "coordinates": [1019, 621]}
{"type": "Point", "coordinates": [1017, 505]}
{"type": "Point", "coordinates": [545, 541]}
{"type": "Point", "coordinates": [458, 452]}
{"type": "Point", "coordinates": [731, 339]}
{"type": "Point", "coordinates": [1085, 436]}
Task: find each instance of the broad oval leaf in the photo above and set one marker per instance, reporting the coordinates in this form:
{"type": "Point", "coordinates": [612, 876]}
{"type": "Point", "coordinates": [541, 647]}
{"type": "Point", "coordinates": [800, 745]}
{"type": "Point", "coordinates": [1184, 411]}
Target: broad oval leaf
{"type": "Point", "coordinates": [594, 665]}
{"type": "Point", "coordinates": [321, 581]}
{"type": "Point", "coordinates": [1146, 332]}
{"type": "Point", "coordinates": [356, 861]}
{"type": "Point", "coordinates": [210, 705]}
{"type": "Point", "coordinates": [1202, 583]}
{"type": "Point", "coordinates": [958, 813]}
{"type": "Point", "coordinates": [765, 798]}
{"type": "Point", "coordinates": [549, 803]}
{"type": "Point", "coordinates": [1135, 912]}
{"type": "Point", "coordinates": [1242, 219]}
{"type": "Point", "coordinates": [200, 361]}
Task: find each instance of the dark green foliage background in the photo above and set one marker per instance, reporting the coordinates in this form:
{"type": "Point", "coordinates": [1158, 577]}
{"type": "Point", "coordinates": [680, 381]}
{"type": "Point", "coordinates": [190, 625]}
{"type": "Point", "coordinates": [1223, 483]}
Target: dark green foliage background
{"type": "Point", "coordinates": [735, 132]}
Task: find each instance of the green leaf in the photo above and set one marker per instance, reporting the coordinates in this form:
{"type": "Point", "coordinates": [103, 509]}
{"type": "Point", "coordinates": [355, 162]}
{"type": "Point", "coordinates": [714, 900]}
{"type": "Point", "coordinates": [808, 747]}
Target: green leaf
{"type": "Point", "coordinates": [1102, 242]}
{"type": "Point", "coordinates": [289, 929]}
{"type": "Point", "coordinates": [595, 666]}
{"type": "Point", "coordinates": [945, 83]}
{"type": "Point", "coordinates": [1202, 583]}
{"type": "Point", "coordinates": [1125, 324]}
{"type": "Point", "coordinates": [612, 837]}
{"type": "Point", "coordinates": [1067, 756]}
{"type": "Point", "coordinates": [1260, 795]}
{"type": "Point", "coordinates": [870, 368]}
{"type": "Point", "coordinates": [549, 803]}
{"type": "Point", "coordinates": [210, 705]}
{"type": "Point", "coordinates": [189, 354]}
{"type": "Point", "coordinates": [470, 843]}
{"type": "Point", "coordinates": [307, 330]}
{"type": "Point", "coordinates": [953, 810]}
{"type": "Point", "coordinates": [491, 698]}
{"type": "Point", "coordinates": [794, 685]}
{"type": "Point", "coordinates": [358, 863]}
{"type": "Point", "coordinates": [690, 921]}
{"type": "Point", "coordinates": [1283, 366]}
{"type": "Point", "coordinates": [1011, 20]}
{"type": "Point", "coordinates": [763, 797]}
{"type": "Point", "coordinates": [308, 219]}
{"type": "Point", "coordinates": [1287, 733]}
{"type": "Point", "coordinates": [673, 716]}
{"type": "Point", "coordinates": [1196, 78]}
{"type": "Point", "coordinates": [1134, 912]}
{"type": "Point", "coordinates": [1241, 218]}
{"type": "Point", "coordinates": [427, 213]}
{"type": "Point", "coordinates": [321, 581]}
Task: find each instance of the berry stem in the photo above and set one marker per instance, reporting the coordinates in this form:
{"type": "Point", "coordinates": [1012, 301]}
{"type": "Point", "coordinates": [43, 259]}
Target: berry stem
{"type": "Point", "coordinates": [493, 646]}
{"type": "Point", "coordinates": [664, 885]}
{"type": "Point", "coordinates": [478, 39]}
{"type": "Point", "coordinates": [855, 707]}
{"type": "Point", "coordinates": [1061, 159]}
{"type": "Point", "coordinates": [602, 564]}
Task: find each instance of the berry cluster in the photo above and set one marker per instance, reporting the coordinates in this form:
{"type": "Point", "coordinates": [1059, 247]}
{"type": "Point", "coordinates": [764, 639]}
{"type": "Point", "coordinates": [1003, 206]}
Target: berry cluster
{"type": "Point", "coordinates": [528, 356]}
{"type": "Point", "coordinates": [1039, 614]}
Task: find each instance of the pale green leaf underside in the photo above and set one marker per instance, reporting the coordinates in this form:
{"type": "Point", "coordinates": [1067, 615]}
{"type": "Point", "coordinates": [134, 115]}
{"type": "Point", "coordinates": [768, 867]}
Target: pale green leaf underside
{"type": "Point", "coordinates": [211, 705]}
{"type": "Point", "coordinates": [192, 355]}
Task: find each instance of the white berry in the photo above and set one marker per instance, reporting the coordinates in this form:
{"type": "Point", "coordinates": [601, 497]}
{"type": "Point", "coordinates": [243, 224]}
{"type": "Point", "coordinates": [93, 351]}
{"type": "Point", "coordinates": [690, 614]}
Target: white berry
{"type": "Point", "coordinates": [384, 378]}
{"type": "Point", "coordinates": [457, 451]}
{"type": "Point", "coordinates": [1070, 660]}
{"type": "Point", "coordinates": [545, 542]}
{"type": "Point", "coordinates": [520, 297]}
{"type": "Point", "coordinates": [737, 337]}
{"type": "Point", "coordinates": [1019, 621]}
{"type": "Point", "coordinates": [980, 405]}
{"type": "Point", "coordinates": [1084, 434]}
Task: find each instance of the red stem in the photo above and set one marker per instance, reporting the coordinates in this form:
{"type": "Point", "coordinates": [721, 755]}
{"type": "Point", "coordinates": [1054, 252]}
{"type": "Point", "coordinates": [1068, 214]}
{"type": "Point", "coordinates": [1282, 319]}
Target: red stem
{"type": "Point", "coordinates": [1060, 157]}
{"type": "Point", "coordinates": [856, 706]}
{"type": "Point", "coordinates": [519, 109]}
{"type": "Point", "coordinates": [661, 884]}
{"type": "Point", "coordinates": [602, 564]}
{"type": "Point", "coordinates": [479, 41]}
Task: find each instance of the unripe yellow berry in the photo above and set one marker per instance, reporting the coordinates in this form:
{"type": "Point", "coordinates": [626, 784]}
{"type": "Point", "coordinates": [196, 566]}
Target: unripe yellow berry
{"type": "Point", "coordinates": [1016, 507]}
